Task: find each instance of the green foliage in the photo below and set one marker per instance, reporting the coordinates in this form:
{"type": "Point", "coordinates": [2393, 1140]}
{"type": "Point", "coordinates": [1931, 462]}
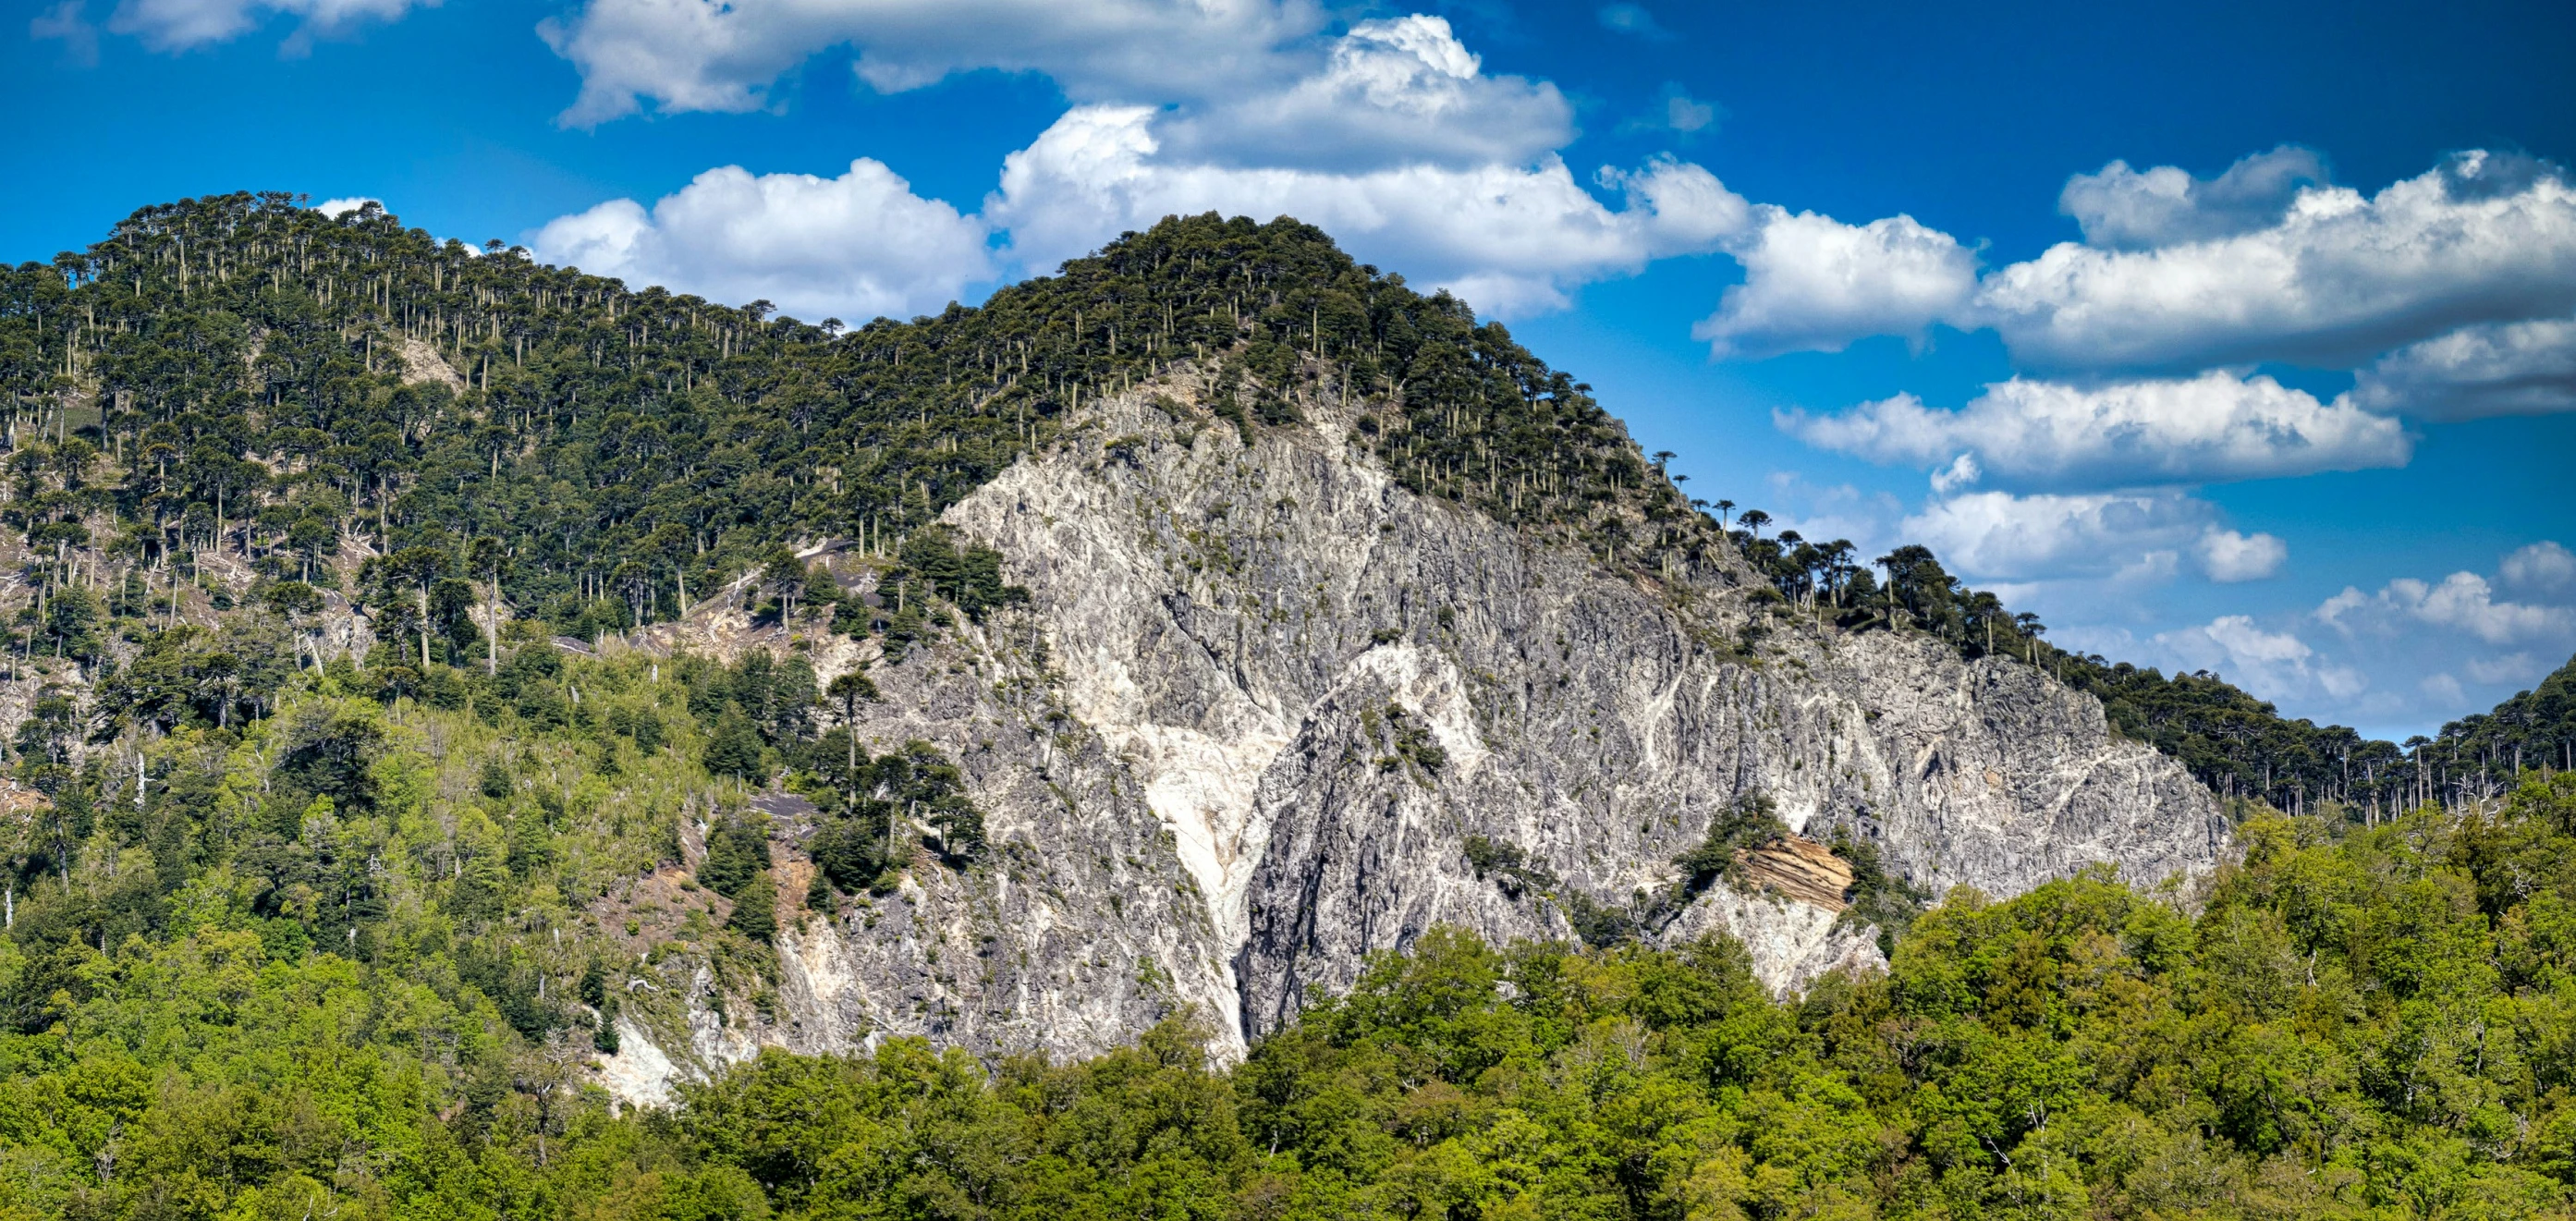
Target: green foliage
{"type": "Point", "coordinates": [642, 726]}
{"type": "Point", "coordinates": [737, 855]}
{"type": "Point", "coordinates": [347, 959]}
{"type": "Point", "coordinates": [238, 374]}
{"type": "Point", "coordinates": [1409, 744]}
{"type": "Point", "coordinates": [755, 909]}
{"type": "Point", "coordinates": [1507, 865]}
{"type": "Point", "coordinates": [1751, 822]}
{"type": "Point", "coordinates": [494, 782]}
{"type": "Point", "coordinates": [2370, 1024]}
{"type": "Point", "coordinates": [2081, 1051]}
{"type": "Point", "coordinates": [330, 750]}
{"type": "Point", "coordinates": [930, 565]}
{"type": "Point", "coordinates": [735, 749]}
{"type": "Point", "coordinates": [2238, 745]}
{"type": "Point", "coordinates": [1414, 742]}
{"type": "Point", "coordinates": [1878, 898]}
{"type": "Point", "coordinates": [922, 784]}
{"type": "Point", "coordinates": [869, 803]}
{"type": "Point", "coordinates": [201, 676]}
{"type": "Point", "coordinates": [852, 852]}
{"type": "Point", "coordinates": [772, 700]}
{"type": "Point", "coordinates": [1597, 924]}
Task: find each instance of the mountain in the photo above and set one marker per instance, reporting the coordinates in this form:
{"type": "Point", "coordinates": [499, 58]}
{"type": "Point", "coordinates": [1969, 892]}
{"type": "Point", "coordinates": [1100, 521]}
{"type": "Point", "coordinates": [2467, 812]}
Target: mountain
{"type": "Point", "coordinates": [630, 443]}
{"type": "Point", "coordinates": [521, 693]}
{"type": "Point", "coordinates": [1237, 588]}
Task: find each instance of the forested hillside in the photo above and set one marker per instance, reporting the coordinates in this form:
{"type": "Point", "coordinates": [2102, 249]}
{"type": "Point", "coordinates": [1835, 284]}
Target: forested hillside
{"type": "Point", "coordinates": [2366, 1024]}
{"type": "Point", "coordinates": [242, 376]}
{"type": "Point", "coordinates": [300, 929]}
{"type": "Point", "coordinates": [245, 376]}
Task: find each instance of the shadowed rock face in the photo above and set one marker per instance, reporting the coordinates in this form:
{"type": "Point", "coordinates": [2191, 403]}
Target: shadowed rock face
{"type": "Point", "coordinates": [1262, 697]}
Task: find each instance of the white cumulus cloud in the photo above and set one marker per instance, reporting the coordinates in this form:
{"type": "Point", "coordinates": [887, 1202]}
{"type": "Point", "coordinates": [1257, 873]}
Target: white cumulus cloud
{"type": "Point", "coordinates": [1632, 19]}
{"type": "Point", "coordinates": [1390, 137]}
{"type": "Point", "coordinates": [2265, 262]}
{"type": "Point", "coordinates": [1677, 112]}
{"type": "Point", "coordinates": [2339, 277]}
{"type": "Point", "coordinates": [2000, 535]}
{"type": "Point", "coordinates": [1509, 239]}
{"type": "Point", "coordinates": [2211, 428]}
{"type": "Point", "coordinates": [2463, 602]}
{"type": "Point", "coordinates": [2517, 667]}
{"type": "Point", "coordinates": [2128, 209]}
{"type": "Point", "coordinates": [2227, 556]}
{"type": "Point", "coordinates": [1241, 82]}
{"type": "Point", "coordinates": [2498, 368]}
{"type": "Point", "coordinates": [2542, 567]}
{"type": "Point", "coordinates": [1813, 283]}
{"type": "Point", "coordinates": [2129, 537]}
{"type": "Point", "coordinates": [67, 22]}
{"type": "Point", "coordinates": [2272, 665]}
{"type": "Point", "coordinates": [855, 246]}
{"type": "Point", "coordinates": [1686, 114]}
{"type": "Point", "coordinates": [1389, 93]}
{"type": "Point", "coordinates": [724, 55]}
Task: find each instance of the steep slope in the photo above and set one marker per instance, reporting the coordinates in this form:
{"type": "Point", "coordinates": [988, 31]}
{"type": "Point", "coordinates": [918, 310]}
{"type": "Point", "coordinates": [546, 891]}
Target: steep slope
{"type": "Point", "coordinates": [1344, 616]}
{"type": "Point", "coordinates": [1262, 698]}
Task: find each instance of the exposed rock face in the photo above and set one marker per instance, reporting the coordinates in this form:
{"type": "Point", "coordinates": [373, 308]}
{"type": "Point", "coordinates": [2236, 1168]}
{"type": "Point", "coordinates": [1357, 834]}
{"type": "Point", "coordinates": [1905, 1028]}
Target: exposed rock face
{"type": "Point", "coordinates": [1801, 870]}
{"type": "Point", "coordinates": [1262, 697]}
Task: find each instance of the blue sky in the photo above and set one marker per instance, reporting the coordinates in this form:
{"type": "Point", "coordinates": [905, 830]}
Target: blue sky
{"type": "Point", "coordinates": [2225, 336]}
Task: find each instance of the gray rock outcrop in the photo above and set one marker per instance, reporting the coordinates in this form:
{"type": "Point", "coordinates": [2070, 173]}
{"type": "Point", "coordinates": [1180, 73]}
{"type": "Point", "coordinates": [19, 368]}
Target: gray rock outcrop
{"type": "Point", "coordinates": [1262, 698]}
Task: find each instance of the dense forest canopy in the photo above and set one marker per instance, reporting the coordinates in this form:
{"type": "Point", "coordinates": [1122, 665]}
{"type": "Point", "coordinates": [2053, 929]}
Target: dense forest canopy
{"type": "Point", "coordinates": [242, 375]}
{"type": "Point", "coordinates": [2354, 1023]}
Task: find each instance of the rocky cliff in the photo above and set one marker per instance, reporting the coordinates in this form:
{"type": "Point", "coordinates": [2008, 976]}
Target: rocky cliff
{"type": "Point", "coordinates": [1263, 698]}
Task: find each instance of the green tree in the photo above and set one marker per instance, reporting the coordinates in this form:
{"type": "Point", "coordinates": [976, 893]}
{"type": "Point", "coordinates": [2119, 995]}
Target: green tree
{"type": "Point", "coordinates": [735, 749]}
{"type": "Point", "coordinates": [403, 580]}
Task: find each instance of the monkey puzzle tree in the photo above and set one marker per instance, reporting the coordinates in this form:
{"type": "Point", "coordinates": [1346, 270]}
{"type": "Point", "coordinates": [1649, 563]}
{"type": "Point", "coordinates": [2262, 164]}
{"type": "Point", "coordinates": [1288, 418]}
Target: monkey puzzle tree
{"type": "Point", "coordinates": [488, 557]}
{"type": "Point", "coordinates": [849, 689]}
{"type": "Point", "coordinates": [404, 579]}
